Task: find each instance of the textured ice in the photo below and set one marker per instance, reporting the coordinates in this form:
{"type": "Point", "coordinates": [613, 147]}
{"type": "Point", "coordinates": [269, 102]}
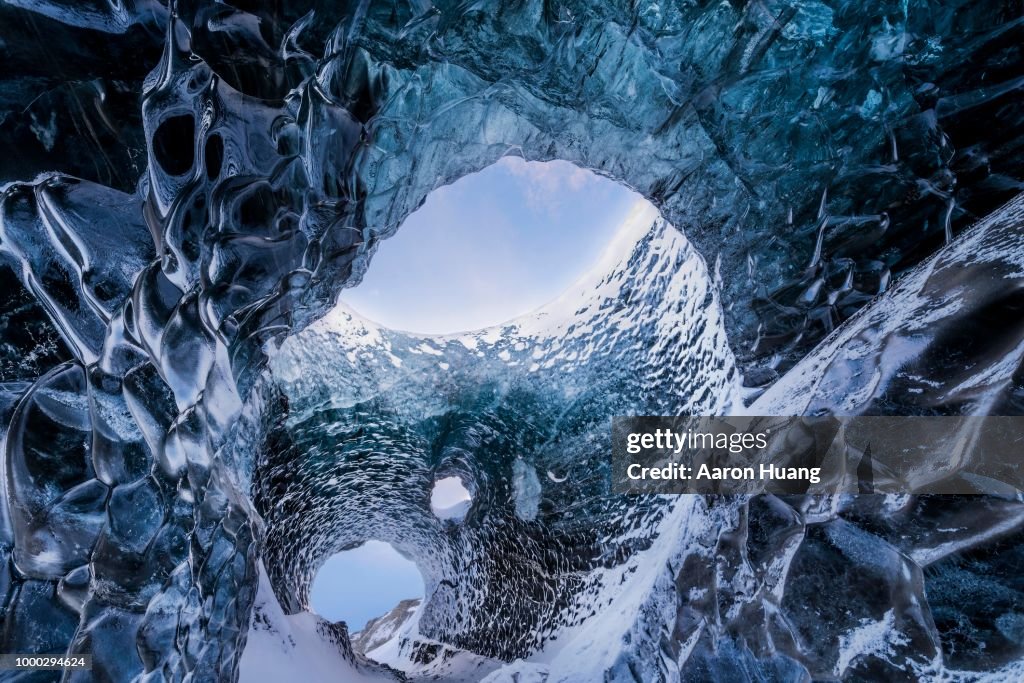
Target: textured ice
{"type": "Point", "coordinates": [188, 187]}
{"type": "Point", "coordinates": [371, 414]}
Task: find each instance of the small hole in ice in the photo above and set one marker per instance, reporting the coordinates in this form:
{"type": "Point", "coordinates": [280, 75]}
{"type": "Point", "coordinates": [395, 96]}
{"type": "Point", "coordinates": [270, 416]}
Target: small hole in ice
{"type": "Point", "coordinates": [362, 583]}
{"type": "Point", "coordinates": [450, 499]}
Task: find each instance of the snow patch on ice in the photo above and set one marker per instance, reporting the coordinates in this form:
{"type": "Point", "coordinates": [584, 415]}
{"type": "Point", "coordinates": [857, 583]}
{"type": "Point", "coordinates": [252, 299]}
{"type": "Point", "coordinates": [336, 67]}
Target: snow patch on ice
{"type": "Point", "coordinates": [871, 638]}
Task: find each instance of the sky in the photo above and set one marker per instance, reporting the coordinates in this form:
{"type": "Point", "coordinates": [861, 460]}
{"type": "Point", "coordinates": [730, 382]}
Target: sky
{"type": "Point", "coordinates": [491, 246]}
{"type": "Point", "coordinates": [485, 249]}
{"type": "Point", "coordinates": [357, 585]}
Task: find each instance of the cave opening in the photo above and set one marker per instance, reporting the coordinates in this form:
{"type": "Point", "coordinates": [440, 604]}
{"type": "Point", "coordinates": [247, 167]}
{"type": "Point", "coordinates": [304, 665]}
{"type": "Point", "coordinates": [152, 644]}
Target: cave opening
{"type": "Point", "coordinates": [453, 408]}
{"type": "Point", "coordinates": [363, 583]}
{"type": "Point", "coordinates": [492, 246]}
{"type": "Point", "coordinates": [450, 499]}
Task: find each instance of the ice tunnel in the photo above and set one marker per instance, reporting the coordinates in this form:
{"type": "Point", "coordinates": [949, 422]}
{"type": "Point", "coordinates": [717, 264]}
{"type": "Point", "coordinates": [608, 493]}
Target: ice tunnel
{"type": "Point", "coordinates": [377, 418]}
{"type": "Point", "coordinates": [189, 434]}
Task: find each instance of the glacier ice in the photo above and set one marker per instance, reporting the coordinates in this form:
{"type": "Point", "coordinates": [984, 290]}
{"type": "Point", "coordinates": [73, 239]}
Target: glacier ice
{"type": "Point", "coordinates": [370, 415]}
{"type": "Point", "coordinates": [187, 188]}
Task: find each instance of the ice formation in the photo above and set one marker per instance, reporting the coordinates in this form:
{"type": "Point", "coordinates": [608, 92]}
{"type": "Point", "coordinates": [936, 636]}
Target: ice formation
{"type": "Point", "coordinates": [191, 186]}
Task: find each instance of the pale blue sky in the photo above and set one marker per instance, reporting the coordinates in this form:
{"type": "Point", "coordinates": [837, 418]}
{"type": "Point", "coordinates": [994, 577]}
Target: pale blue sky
{"type": "Point", "coordinates": [491, 246]}
{"type": "Point", "coordinates": [358, 585]}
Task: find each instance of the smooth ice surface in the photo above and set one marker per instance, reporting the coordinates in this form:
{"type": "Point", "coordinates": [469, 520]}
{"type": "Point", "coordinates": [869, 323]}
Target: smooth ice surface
{"type": "Point", "coordinates": [357, 585]}
{"type": "Point", "coordinates": [492, 246]}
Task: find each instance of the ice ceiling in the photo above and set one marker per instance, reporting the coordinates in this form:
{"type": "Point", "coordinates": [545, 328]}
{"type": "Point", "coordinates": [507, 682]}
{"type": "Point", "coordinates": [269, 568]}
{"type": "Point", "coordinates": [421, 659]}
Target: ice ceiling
{"type": "Point", "coordinates": [226, 168]}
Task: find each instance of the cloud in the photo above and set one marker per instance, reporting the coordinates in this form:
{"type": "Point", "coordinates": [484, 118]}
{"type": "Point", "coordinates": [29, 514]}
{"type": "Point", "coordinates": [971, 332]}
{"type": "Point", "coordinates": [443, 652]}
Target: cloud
{"type": "Point", "coordinates": [545, 185]}
{"type": "Point", "coordinates": [492, 246]}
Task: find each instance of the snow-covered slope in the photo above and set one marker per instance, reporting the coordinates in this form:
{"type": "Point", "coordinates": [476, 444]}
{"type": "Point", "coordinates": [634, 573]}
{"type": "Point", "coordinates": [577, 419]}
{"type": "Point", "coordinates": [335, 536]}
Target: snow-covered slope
{"type": "Point", "coordinates": [299, 647]}
{"type": "Point", "coordinates": [381, 629]}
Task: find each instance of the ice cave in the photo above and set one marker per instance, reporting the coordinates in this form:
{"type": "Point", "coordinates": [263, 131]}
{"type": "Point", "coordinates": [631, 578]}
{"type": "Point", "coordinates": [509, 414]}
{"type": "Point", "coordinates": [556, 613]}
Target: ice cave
{"type": "Point", "coordinates": [360, 584]}
{"type": "Point", "coordinates": [192, 427]}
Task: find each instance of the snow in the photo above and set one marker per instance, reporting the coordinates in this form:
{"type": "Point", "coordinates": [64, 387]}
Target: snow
{"type": "Point", "coordinates": [452, 666]}
{"type": "Point", "coordinates": [284, 647]}
{"type": "Point", "coordinates": [597, 333]}
{"type": "Point", "coordinates": [871, 638]}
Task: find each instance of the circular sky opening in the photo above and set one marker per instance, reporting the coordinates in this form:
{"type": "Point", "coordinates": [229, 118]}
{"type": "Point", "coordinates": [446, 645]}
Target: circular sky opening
{"type": "Point", "coordinates": [491, 246]}
{"type": "Point", "coordinates": [357, 585]}
{"type": "Point", "coordinates": [450, 499]}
